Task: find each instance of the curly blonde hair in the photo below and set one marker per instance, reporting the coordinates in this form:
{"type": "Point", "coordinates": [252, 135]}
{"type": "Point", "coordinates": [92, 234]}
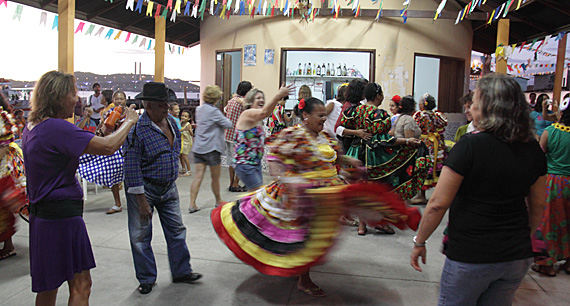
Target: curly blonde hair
{"type": "Point", "coordinates": [48, 99]}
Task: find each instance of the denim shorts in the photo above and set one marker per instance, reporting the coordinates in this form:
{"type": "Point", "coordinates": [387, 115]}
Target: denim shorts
{"type": "Point", "coordinates": [213, 158]}
{"type": "Point", "coordinates": [468, 284]}
{"type": "Point", "coordinates": [250, 175]}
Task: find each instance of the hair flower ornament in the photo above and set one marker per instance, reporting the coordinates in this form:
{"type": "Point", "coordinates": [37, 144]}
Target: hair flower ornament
{"type": "Point", "coordinates": [396, 99]}
{"type": "Point", "coordinates": [302, 104]}
{"type": "Point", "coordinates": [564, 105]}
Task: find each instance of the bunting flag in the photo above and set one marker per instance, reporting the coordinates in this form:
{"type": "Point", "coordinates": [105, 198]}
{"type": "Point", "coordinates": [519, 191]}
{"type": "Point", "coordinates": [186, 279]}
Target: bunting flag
{"type": "Point", "coordinates": [149, 44]}
{"type": "Point", "coordinates": [379, 13]}
{"type": "Point", "coordinates": [130, 5]}
{"type": "Point", "coordinates": [118, 35]}
{"type": "Point", "coordinates": [223, 13]}
{"type": "Point", "coordinates": [80, 27]}
{"type": "Point", "coordinates": [139, 6]}
{"type": "Point", "coordinates": [128, 36]}
{"type": "Point", "coordinates": [472, 6]}
{"type": "Point", "coordinates": [212, 7]}
{"type": "Point", "coordinates": [18, 12]}
{"type": "Point", "coordinates": [358, 12]}
{"type": "Point", "coordinates": [187, 9]}
{"type": "Point", "coordinates": [5, 3]}
{"type": "Point", "coordinates": [177, 6]}
{"type": "Point", "coordinates": [273, 11]}
{"type": "Point", "coordinates": [109, 33]}
{"type": "Point", "coordinates": [217, 8]}
{"type": "Point", "coordinates": [518, 6]}
{"type": "Point", "coordinates": [440, 8]}
{"type": "Point", "coordinates": [90, 30]}
{"type": "Point", "coordinates": [43, 18]}
{"type": "Point", "coordinates": [509, 3]}
{"type": "Point", "coordinates": [523, 43]}
{"type": "Point", "coordinates": [404, 12]}
{"type": "Point", "coordinates": [228, 13]}
{"type": "Point", "coordinates": [491, 17]}
{"type": "Point", "coordinates": [253, 12]}
{"type": "Point", "coordinates": [532, 43]}
{"type": "Point", "coordinates": [55, 23]}
{"type": "Point", "coordinates": [194, 10]}
{"type": "Point", "coordinates": [500, 11]}
{"type": "Point", "coordinates": [135, 40]}
{"type": "Point", "coordinates": [265, 8]}
{"type": "Point", "coordinates": [173, 16]}
{"type": "Point", "coordinates": [100, 31]}
{"type": "Point", "coordinates": [458, 17]}
{"type": "Point", "coordinates": [149, 8]}
{"type": "Point", "coordinates": [169, 5]}
{"type": "Point", "coordinates": [164, 12]}
{"type": "Point", "coordinates": [143, 42]}
{"type": "Point", "coordinates": [157, 12]}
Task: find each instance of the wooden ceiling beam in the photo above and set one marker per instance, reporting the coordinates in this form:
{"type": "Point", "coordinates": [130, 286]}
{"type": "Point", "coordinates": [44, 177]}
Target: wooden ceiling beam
{"type": "Point", "coordinates": [46, 3]}
{"type": "Point", "coordinates": [105, 9]}
{"type": "Point", "coordinates": [557, 7]}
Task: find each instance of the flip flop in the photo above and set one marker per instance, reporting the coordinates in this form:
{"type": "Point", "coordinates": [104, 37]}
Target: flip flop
{"type": "Point", "coordinates": [540, 269]}
{"type": "Point", "coordinates": [114, 209]}
{"type": "Point", "coordinates": [8, 255]}
{"type": "Point", "coordinates": [193, 210]}
{"type": "Point", "coordinates": [385, 230]}
{"type": "Point", "coordinates": [315, 292]}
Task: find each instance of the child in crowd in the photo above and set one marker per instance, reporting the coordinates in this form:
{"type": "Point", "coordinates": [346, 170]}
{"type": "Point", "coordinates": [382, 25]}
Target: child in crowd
{"type": "Point", "coordinates": [174, 112]}
{"type": "Point", "coordinates": [187, 134]}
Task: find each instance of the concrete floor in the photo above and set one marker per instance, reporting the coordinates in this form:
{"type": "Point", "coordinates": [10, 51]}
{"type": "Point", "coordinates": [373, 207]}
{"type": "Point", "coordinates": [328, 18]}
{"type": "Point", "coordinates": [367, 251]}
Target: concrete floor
{"type": "Point", "coordinates": [369, 270]}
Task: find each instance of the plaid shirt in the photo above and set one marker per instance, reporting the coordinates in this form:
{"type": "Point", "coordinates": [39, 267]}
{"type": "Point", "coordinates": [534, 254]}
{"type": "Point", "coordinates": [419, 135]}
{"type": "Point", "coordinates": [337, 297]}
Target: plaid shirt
{"type": "Point", "coordinates": [149, 156]}
{"type": "Point", "coordinates": [233, 110]}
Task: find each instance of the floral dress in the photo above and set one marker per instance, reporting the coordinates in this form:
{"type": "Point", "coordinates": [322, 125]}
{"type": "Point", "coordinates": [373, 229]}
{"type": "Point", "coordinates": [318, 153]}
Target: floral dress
{"type": "Point", "coordinates": [12, 189]}
{"type": "Point", "coordinates": [403, 168]}
{"type": "Point", "coordinates": [289, 225]}
{"type": "Point", "coordinates": [432, 124]}
{"type": "Point", "coordinates": [552, 238]}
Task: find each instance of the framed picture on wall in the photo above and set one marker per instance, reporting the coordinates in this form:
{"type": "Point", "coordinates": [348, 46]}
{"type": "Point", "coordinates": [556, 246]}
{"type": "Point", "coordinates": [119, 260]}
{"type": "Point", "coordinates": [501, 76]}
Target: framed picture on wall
{"type": "Point", "coordinates": [249, 55]}
{"type": "Point", "coordinates": [269, 56]}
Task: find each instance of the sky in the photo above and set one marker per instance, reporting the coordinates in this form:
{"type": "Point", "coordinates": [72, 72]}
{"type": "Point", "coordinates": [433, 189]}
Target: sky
{"type": "Point", "coordinates": [29, 49]}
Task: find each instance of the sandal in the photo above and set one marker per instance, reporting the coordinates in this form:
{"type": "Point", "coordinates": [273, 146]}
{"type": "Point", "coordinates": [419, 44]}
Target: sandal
{"type": "Point", "coordinates": [362, 232]}
{"type": "Point", "coordinates": [544, 270]}
{"type": "Point", "coordinates": [12, 253]}
{"type": "Point", "coordinates": [114, 209]}
{"type": "Point", "coordinates": [193, 210]}
{"type": "Point", "coordinates": [315, 292]}
{"type": "Point", "coordinates": [385, 230]}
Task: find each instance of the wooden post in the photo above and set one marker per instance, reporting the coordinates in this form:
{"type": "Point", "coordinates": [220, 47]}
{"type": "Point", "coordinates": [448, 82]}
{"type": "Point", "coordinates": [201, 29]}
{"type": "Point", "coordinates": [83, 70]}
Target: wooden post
{"type": "Point", "coordinates": [159, 37]}
{"type": "Point", "coordinates": [65, 19]}
{"type": "Point", "coordinates": [502, 38]}
{"type": "Point", "coordinates": [556, 94]}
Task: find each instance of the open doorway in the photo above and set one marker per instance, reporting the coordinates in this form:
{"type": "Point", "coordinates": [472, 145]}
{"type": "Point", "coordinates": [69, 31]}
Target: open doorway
{"type": "Point", "coordinates": [228, 72]}
{"type": "Point", "coordinates": [443, 78]}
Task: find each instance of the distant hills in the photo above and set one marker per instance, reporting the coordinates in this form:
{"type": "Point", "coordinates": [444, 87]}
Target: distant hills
{"type": "Point", "coordinates": [119, 81]}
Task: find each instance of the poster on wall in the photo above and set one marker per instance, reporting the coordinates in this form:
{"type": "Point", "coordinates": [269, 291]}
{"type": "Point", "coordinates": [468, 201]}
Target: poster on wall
{"type": "Point", "coordinates": [250, 55]}
{"type": "Point", "coordinates": [269, 54]}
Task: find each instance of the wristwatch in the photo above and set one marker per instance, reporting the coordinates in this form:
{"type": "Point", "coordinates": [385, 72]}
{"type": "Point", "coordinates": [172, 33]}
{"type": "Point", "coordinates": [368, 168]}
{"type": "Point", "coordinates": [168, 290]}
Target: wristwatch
{"type": "Point", "coordinates": [418, 244]}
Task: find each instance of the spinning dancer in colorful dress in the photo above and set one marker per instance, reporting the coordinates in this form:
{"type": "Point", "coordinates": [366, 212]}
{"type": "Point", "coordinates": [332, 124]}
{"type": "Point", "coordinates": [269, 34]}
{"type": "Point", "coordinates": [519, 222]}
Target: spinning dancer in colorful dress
{"type": "Point", "coordinates": [554, 230]}
{"type": "Point", "coordinates": [432, 123]}
{"type": "Point", "coordinates": [288, 226]}
{"type": "Point", "coordinates": [398, 162]}
{"type": "Point", "coordinates": [12, 183]}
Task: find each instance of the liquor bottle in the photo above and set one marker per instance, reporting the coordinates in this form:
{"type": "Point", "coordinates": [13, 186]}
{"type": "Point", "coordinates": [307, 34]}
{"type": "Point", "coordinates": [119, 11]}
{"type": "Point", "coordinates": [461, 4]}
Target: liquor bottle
{"type": "Point", "coordinates": [328, 69]}
{"type": "Point", "coordinates": [309, 70]}
{"type": "Point", "coordinates": [332, 70]}
{"type": "Point", "coordinates": [344, 72]}
{"type": "Point", "coordinates": [304, 70]}
{"type": "Point", "coordinates": [338, 70]}
{"type": "Point", "coordinates": [299, 71]}
{"type": "Point", "coordinates": [318, 70]}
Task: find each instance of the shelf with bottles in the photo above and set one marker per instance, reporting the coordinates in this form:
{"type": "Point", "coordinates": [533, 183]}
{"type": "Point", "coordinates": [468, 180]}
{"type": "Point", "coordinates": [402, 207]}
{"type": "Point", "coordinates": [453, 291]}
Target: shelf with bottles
{"type": "Point", "coordinates": [333, 78]}
{"type": "Point", "coordinates": [322, 71]}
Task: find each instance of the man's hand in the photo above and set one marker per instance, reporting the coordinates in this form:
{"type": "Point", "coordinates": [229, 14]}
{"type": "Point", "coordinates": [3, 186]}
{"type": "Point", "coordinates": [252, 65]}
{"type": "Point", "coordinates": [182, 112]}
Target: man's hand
{"type": "Point", "coordinates": [144, 208]}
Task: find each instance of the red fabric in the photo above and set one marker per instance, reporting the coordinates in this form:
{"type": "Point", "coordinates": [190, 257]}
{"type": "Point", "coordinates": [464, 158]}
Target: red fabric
{"type": "Point", "coordinates": [345, 106]}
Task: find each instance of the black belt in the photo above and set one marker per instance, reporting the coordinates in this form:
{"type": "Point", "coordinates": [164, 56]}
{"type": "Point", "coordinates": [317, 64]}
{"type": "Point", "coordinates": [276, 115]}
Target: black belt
{"type": "Point", "coordinates": [156, 182]}
{"type": "Point", "coordinates": [57, 209]}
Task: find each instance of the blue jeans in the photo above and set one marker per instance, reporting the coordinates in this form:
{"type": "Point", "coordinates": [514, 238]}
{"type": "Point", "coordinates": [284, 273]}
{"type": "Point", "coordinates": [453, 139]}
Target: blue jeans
{"type": "Point", "coordinates": [165, 200]}
{"type": "Point", "coordinates": [481, 284]}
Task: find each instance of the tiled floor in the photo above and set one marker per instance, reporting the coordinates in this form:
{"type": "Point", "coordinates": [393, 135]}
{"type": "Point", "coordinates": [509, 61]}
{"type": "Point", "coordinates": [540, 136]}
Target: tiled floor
{"type": "Point", "coordinates": [369, 270]}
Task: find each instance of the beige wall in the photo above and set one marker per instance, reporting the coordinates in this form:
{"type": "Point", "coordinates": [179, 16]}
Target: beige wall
{"type": "Point", "coordinates": [395, 44]}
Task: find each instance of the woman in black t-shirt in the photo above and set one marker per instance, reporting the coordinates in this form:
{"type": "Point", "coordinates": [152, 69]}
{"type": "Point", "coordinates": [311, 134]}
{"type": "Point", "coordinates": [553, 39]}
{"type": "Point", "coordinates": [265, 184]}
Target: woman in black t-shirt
{"type": "Point", "coordinates": [494, 184]}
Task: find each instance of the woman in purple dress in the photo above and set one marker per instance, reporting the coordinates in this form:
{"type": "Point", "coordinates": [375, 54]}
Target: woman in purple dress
{"type": "Point", "coordinates": [60, 249]}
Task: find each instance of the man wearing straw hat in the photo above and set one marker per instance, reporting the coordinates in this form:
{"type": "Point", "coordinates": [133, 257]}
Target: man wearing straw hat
{"type": "Point", "coordinates": [151, 167]}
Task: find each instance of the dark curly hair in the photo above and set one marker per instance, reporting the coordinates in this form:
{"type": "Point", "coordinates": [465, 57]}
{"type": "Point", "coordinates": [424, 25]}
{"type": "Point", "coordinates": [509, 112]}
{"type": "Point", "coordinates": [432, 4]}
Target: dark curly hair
{"type": "Point", "coordinates": [372, 90]}
{"type": "Point", "coordinates": [406, 105]}
{"type": "Point", "coordinates": [355, 91]}
{"type": "Point", "coordinates": [243, 88]}
{"type": "Point", "coordinates": [309, 106]}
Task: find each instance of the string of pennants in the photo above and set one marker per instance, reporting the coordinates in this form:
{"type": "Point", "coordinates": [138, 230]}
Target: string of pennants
{"type": "Point", "coordinates": [82, 27]}
{"type": "Point", "coordinates": [499, 12]}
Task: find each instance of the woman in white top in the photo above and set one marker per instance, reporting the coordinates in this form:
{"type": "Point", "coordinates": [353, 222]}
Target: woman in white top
{"type": "Point", "coordinates": [334, 108]}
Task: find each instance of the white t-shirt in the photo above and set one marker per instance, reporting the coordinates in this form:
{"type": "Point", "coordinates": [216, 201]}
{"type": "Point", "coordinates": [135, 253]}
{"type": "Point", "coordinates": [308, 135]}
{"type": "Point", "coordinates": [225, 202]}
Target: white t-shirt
{"type": "Point", "coordinates": [332, 117]}
{"type": "Point", "coordinates": [96, 104]}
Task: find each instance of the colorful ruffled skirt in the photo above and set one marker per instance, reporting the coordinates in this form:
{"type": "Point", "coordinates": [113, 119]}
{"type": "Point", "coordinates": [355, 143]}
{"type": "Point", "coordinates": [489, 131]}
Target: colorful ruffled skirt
{"type": "Point", "coordinates": [404, 168]}
{"type": "Point", "coordinates": [284, 229]}
{"type": "Point", "coordinates": [12, 199]}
